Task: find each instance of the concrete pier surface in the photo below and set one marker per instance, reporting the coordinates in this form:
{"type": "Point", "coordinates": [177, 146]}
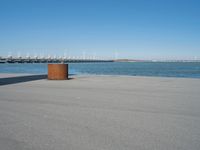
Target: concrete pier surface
{"type": "Point", "coordinates": [99, 113]}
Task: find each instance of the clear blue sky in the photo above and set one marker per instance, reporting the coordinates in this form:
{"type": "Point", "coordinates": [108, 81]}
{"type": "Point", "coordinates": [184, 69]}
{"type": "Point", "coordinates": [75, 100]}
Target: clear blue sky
{"type": "Point", "coordinates": [134, 28]}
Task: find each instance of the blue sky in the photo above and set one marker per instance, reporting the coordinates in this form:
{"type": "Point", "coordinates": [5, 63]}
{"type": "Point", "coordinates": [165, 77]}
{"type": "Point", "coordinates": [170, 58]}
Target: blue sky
{"type": "Point", "coordinates": [139, 29]}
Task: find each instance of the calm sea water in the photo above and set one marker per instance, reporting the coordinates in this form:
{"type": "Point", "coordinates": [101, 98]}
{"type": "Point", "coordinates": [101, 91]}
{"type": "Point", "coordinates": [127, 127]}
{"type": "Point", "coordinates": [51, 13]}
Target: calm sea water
{"type": "Point", "coordinates": [165, 69]}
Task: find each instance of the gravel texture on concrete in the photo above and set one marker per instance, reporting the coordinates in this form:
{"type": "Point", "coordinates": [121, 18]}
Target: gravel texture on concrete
{"type": "Point", "coordinates": [99, 113]}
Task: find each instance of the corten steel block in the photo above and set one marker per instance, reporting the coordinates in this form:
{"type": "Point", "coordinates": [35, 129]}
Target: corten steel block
{"type": "Point", "coordinates": [57, 71]}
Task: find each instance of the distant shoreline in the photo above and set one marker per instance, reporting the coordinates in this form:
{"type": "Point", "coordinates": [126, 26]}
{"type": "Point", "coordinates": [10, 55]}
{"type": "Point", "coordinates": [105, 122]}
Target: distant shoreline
{"type": "Point", "coordinates": [161, 61]}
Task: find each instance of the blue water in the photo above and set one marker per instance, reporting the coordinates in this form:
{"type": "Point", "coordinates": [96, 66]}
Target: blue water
{"type": "Point", "coordinates": [161, 69]}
